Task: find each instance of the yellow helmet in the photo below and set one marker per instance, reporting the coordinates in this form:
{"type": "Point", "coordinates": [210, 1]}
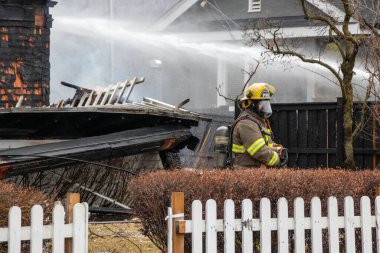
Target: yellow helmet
{"type": "Point", "coordinates": [257, 91]}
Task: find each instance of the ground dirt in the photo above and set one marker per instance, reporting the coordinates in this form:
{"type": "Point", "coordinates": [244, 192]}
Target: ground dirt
{"type": "Point", "coordinates": [119, 238]}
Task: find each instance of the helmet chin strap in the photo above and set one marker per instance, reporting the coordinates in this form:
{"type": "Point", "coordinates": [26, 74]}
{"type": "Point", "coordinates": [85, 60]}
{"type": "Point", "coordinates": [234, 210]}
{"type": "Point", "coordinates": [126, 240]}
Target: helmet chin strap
{"type": "Point", "coordinates": [246, 104]}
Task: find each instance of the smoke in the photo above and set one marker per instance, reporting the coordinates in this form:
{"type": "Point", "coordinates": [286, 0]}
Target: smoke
{"type": "Point", "coordinates": [92, 46]}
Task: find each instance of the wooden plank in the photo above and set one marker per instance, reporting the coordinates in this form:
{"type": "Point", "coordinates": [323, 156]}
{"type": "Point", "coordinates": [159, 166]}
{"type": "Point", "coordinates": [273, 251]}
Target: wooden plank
{"type": "Point", "coordinates": [282, 230]}
{"type": "Point", "coordinates": [58, 229]}
{"type": "Point", "coordinates": [181, 227]}
{"type": "Point", "coordinates": [332, 137]}
{"type": "Point", "coordinates": [90, 98]}
{"type": "Point", "coordinates": [332, 208]}
{"type": "Point", "coordinates": [265, 220]}
{"type": "Point", "coordinates": [80, 226]}
{"type": "Point", "coordinates": [316, 229]}
{"type": "Point", "coordinates": [377, 216]}
{"type": "Point", "coordinates": [275, 125]}
{"type": "Point", "coordinates": [14, 230]}
{"type": "Point", "coordinates": [178, 207]}
{"type": "Point", "coordinates": [299, 225]}
{"type": "Point", "coordinates": [339, 134]}
{"type": "Point", "coordinates": [247, 234]}
{"type": "Point", "coordinates": [106, 96]}
{"type": "Point", "coordinates": [367, 140]}
{"type": "Point", "coordinates": [123, 88]}
{"type": "Point", "coordinates": [292, 137]}
{"type": "Point", "coordinates": [366, 232]}
{"type": "Point", "coordinates": [113, 94]}
{"type": "Point", "coordinates": [211, 243]}
{"type": "Point", "coordinates": [229, 226]}
{"type": "Point", "coordinates": [359, 141]}
{"type": "Point", "coordinates": [349, 226]}
{"type": "Point", "coordinates": [283, 128]}
{"type": "Point", "coordinates": [302, 138]}
{"type": "Point", "coordinates": [196, 226]}
{"type": "Point", "coordinates": [322, 137]}
{"type": "Point", "coordinates": [71, 200]}
{"type": "Point", "coordinates": [312, 137]}
{"type": "Point", "coordinates": [36, 229]}
{"type": "Point", "coordinates": [374, 136]}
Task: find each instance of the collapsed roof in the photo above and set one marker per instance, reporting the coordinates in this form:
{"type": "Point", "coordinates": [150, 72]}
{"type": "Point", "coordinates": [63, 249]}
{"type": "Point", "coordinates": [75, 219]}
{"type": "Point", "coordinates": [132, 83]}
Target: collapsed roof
{"type": "Point", "coordinates": [93, 125]}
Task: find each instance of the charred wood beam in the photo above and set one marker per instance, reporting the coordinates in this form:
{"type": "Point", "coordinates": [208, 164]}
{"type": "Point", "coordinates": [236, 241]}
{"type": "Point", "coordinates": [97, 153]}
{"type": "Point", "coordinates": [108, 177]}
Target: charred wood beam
{"type": "Point", "coordinates": [28, 159]}
{"type": "Point", "coordinates": [68, 123]}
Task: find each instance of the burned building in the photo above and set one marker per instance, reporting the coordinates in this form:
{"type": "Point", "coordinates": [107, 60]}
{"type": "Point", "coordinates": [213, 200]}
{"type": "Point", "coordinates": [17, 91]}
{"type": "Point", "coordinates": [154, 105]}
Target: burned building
{"type": "Point", "coordinates": [99, 135]}
{"type": "Point", "coordinates": [24, 52]}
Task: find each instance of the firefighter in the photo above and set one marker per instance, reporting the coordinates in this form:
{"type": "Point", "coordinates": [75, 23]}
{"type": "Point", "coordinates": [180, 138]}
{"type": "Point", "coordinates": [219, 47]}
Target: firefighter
{"type": "Point", "coordinates": [252, 137]}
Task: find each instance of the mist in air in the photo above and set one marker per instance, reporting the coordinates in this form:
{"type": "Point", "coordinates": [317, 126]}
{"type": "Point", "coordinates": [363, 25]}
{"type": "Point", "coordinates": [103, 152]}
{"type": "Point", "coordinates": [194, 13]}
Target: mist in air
{"type": "Point", "coordinates": [94, 44]}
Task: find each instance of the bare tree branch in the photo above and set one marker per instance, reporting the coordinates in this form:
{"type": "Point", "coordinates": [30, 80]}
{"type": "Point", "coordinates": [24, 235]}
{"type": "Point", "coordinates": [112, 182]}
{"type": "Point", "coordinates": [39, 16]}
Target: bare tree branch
{"type": "Point", "coordinates": [219, 90]}
{"type": "Point", "coordinates": [250, 75]}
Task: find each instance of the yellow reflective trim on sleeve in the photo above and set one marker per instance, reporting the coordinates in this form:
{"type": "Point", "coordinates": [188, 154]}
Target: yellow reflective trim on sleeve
{"type": "Point", "coordinates": [273, 160]}
{"type": "Point", "coordinates": [238, 149]}
{"type": "Point", "coordinates": [256, 146]}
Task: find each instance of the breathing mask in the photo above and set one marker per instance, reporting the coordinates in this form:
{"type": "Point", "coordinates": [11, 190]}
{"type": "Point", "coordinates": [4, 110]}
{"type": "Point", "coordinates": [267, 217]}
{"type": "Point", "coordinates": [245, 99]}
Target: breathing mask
{"type": "Point", "coordinates": [263, 108]}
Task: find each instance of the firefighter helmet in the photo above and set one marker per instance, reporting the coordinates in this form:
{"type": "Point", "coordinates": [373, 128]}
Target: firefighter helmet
{"type": "Point", "coordinates": [257, 91]}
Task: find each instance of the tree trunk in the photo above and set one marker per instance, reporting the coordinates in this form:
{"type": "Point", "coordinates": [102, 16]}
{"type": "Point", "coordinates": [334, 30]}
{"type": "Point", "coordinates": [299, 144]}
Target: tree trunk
{"type": "Point", "coordinates": [348, 105]}
{"type": "Point", "coordinates": [347, 128]}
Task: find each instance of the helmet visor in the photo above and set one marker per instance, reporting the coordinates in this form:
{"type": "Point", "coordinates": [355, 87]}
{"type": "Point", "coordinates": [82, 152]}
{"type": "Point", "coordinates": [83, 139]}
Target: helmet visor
{"type": "Point", "coordinates": [264, 108]}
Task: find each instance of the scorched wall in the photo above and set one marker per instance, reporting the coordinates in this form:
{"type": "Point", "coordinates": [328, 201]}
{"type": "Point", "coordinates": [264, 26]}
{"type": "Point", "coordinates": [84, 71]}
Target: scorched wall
{"type": "Point", "coordinates": [24, 52]}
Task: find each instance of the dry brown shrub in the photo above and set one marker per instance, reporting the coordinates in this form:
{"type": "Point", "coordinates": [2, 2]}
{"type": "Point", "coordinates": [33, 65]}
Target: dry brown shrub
{"type": "Point", "coordinates": [25, 198]}
{"type": "Point", "coordinates": [152, 191]}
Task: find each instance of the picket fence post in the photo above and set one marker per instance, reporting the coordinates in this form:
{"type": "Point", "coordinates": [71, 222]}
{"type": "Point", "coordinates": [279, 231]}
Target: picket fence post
{"type": "Point", "coordinates": [80, 231]}
{"type": "Point", "coordinates": [37, 224]}
{"type": "Point", "coordinates": [211, 244]}
{"type": "Point", "coordinates": [196, 226]}
{"type": "Point", "coordinates": [14, 230]}
{"type": "Point", "coordinates": [299, 225]}
{"type": "Point", "coordinates": [247, 234]}
{"type": "Point", "coordinates": [316, 229]}
{"type": "Point", "coordinates": [283, 234]}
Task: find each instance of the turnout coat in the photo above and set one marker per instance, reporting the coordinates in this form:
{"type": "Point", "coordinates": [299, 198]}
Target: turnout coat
{"type": "Point", "coordinates": [252, 142]}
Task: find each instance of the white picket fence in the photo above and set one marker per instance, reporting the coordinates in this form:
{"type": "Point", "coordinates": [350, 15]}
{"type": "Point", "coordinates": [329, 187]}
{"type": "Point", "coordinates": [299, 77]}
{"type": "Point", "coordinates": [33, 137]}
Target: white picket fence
{"type": "Point", "coordinates": [57, 231]}
{"type": "Point", "coordinates": [282, 224]}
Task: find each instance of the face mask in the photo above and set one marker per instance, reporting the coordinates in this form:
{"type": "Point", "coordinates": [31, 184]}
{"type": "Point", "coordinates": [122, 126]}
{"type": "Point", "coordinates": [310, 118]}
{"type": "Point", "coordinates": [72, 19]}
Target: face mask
{"type": "Point", "coordinates": [264, 108]}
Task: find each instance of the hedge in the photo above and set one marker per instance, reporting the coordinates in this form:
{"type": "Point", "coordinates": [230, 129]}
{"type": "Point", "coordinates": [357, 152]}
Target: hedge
{"type": "Point", "coordinates": [151, 192]}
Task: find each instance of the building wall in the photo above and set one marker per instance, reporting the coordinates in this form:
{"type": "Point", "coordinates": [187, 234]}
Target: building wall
{"type": "Point", "coordinates": [238, 9]}
{"type": "Point", "coordinates": [24, 52]}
